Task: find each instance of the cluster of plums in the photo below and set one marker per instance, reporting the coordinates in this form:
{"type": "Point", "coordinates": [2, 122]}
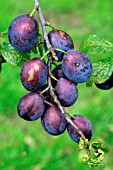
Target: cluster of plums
{"type": "Point", "coordinates": [75, 67]}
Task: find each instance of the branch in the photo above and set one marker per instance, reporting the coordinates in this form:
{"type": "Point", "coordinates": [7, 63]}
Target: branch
{"type": "Point", "coordinates": [52, 93]}
{"type": "Point", "coordinates": [43, 24]}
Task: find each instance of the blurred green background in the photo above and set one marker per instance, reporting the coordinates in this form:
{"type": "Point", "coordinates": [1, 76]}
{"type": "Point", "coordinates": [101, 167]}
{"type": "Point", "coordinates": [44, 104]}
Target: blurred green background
{"type": "Point", "coordinates": [25, 145]}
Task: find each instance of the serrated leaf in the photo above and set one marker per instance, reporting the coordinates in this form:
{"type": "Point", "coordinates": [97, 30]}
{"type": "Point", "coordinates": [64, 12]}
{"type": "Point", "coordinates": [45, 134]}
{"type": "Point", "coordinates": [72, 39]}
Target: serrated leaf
{"type": "Point", "coordinates": [102, 70]}
{"type": "Point", "coordinates": [94, 44]}
{"type": "Point", "coordinates": [13, 56]}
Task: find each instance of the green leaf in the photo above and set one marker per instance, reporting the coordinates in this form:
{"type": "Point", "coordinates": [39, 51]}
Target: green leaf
{"type": "Point", "coordinates": [0, 67]}
{"type": "Point", "coordinates": [41, 45]}
{"type": "Point", "coordinates": [94, 153]}
{"type": "Point", "coordinates": [40, 48]}
{"type": "Point", "coordinates": [102, 70]}
{"type": "Point", "coordinates": [97, 144]}
{"type": "Point", "coordinates": [13, 56]}
{"type": "Point", "coordinates": [106, 150]}
{"type": "Point", "coordinates": [94, 44]}
{"type": "Point", "coordinates": [3, 34]}
{"type": "Point", "coordinates": [34, 50]}
{"type": "Point", "coordinates": [81, 144]}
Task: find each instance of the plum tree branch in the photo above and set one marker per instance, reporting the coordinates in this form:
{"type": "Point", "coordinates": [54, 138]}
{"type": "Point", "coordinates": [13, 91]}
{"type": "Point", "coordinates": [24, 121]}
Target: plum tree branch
{"type": "Point", "coordinates": [50, 56]}
{"type": "Point", "coordinates": [43, 24]}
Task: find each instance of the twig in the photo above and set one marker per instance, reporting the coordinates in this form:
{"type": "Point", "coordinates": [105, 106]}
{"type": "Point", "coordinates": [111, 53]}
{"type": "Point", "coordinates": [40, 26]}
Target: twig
{"type": "Point", "coordinates": [43, 24]}
{"type": "Point", "coordinates": [50, 55]}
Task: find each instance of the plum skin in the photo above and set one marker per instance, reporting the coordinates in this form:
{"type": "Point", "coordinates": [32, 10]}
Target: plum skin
{"type": "Point", "coordinates": [53, 121]}
{"type": "Point", "coordinates": [23, 32]}
{"type": "Point", "coordinates": [76, 66]}
{"type": "Point", "coordinates": [57, 73]}
{"type": "Point", "coordinates": [31, 107]}
{"type": "Point", "coordinates": [33, 74]}
{"type": "Point", "coordinates": [66, 92]}
{"type": "Point", "coordinates": [85, 126]}
{"type": "Point", "coordinates": [60, 39]}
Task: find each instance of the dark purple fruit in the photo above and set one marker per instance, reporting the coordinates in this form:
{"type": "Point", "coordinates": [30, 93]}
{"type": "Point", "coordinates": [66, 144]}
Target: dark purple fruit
{"type": "Point", "coordinates": [85, 126]}
{"type": "Point", "coordinates": [53, 121]}
{"type": "Point", "coordinates": [76, 66]}
{"type": "Point", "coordinates": [108, 84]}
{"type": "Point", "coordinates": [60, 39]}
{"type": "Point", "coordinates": [57, 73]}
{"type": "Point", "coordinates": [66, 92]}
{"type": "Point", "coordinates": [31, 106]}
{"type": "Point", "coordinates": [23, 32]}
{"type": "Point", "coordinates": [34, 74]}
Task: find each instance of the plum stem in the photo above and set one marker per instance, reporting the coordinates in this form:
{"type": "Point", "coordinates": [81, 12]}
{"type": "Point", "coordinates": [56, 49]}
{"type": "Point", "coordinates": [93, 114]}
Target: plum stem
{"type": "Point", "coordinates": [49, 25]}
{"type": "Point", "coordinates": [50, 104]}
{"type": "Point", "coordinates": [52, 76]}
{"type": "Point", "coordinates": [45, 54]}
{"type": "Point", "coordinates": [57, 49]}
{"type": "Point", "coordinates": [44, 90]}
{"type": "Point", "coordinates": [32, 12]}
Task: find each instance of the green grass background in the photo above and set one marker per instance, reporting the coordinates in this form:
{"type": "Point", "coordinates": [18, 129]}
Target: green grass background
{"type": "Point", "coordinates": [25, 145]}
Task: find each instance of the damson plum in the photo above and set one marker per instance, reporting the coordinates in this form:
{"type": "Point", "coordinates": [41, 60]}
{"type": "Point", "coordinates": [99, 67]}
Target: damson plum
{"type": "Point", "coordinates": [23, 32]}
{"type": "Point", "coordinates": [57, 73]}
{"type": "Point", "coordinates": [85, 126]}
{"type": "Point", "coordinates": [53, 121]}
{"type": "Point", "coordinates": [31, 106]}
{"type": "Point", "coordinates": [60, 39]}
{"type": "Point", "coordinates": [76, 66]}
{"type": "Point", "coordinates": [34, 74]}
{"type": "Point", "coordinates": [108, 84]}
{"type": "Point", "coordinates": [66, 92]}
